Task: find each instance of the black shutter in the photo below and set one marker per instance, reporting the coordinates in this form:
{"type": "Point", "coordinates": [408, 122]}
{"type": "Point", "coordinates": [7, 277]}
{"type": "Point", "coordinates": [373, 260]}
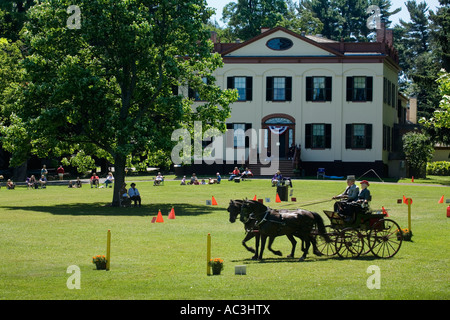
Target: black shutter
{"type": "Point", "coordinates": [309, 88]}
{"type": "Point", "coordinates": [308, 136]}
{"type": "Point", "coordinates": [369, 88]}
{"type": "Point", "coordinates": [230, 82]}
{"type": "Point", "coordinates": [348, 136]}
{"type": "Point", "coordinates": [368, 136]}
{"type": "Point", "coordinates": [328, 90]}
{"type": "Point", "coordinates": [328, 136]}
{"type": "Point", "coordinates": [288, 88]}
{"type": "Point", "coordinates": [269, 88]}
{"type": "Point", "coordinates": [191, 93]}
{"type": "Point", "coordinates": [249, 88]}
{"type": "Point", "coordinates": [174, 90]}
{"type": "Point", "coordinates": [349, 88]}
{"type": "Point", "coordinates": [247, 138]}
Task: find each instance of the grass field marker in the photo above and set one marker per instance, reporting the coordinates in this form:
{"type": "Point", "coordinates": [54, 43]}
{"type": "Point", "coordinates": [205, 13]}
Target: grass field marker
{"type": "Point", "coordinates": [208, 254]}
{"type": "Point", "coordinates": [108, 250]}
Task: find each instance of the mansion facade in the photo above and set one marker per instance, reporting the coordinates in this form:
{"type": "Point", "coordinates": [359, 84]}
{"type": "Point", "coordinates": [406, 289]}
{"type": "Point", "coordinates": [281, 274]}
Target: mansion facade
{"type": "Point", "coordinates": [338, 102]}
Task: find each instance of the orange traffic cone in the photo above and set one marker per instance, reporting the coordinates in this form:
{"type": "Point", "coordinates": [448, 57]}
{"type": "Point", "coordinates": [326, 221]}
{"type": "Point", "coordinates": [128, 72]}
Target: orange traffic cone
{"type": "Point", "coordinates": [277, 199]}
{"type": "Point", "coordinates": [214, 202]}
{"type": "Point", "coordinates": [171, 214]}
{"type": "Point", "coordinates": [254, 198]}
{"type": "Point", "coordinates": [159, 218]}
{"type": "Point", "coordinates": [404, 199]}
{"type": "Point", "coordinates": [385, 212]}
{"type": "Point", "coordinates": [441, 200]}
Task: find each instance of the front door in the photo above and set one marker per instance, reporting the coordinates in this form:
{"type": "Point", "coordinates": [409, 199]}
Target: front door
{"type": "Point", "coordinates": [281, 127]}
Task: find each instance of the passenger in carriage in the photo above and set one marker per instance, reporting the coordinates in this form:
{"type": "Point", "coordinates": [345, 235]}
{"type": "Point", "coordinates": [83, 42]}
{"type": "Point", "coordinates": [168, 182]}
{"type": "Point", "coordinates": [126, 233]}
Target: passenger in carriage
{"type": "Point", "coordinates": [364, 195]}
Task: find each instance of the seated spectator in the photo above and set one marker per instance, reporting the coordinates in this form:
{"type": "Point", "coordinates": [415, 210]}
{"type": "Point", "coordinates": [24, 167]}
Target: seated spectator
{"type": "Point", "coordinates": [43, 182]}
{"type": "Point", "coordinates": [246, 173]}
{"type": "Point", "coordinates": [217, 180]}
{"type": "Point", "coordinates": [31, 182]}
{"type": "Point", "coordinates": [10, 185]}
{"type": "Point", "coordinates": [158, 180]}
{"type": "Point", "coordinates": [134, 194]}
{"type": "Point", "coordinates": [75, 184]}
{"type": "Point", "coordinates": [277, 178]}
{"type": "Point", "coordinates": [203, 181]}
{"type": "Point", "coordinates": [234, 174]}
{"type": "Point", "coordinates": [194, 179]}
{"type": "Point", "coordinates": [94, 180]}
{"type": "Point", "coordinates": [124, 197]}
{"type": "Point", "coordinates": [109, 180]}
{"type": "Point", "coordinates": [183, 181]}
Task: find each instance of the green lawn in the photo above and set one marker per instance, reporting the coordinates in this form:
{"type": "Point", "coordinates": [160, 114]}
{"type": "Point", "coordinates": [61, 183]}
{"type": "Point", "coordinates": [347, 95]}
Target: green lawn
{"type": "Point", "coordinates": [43, 232]}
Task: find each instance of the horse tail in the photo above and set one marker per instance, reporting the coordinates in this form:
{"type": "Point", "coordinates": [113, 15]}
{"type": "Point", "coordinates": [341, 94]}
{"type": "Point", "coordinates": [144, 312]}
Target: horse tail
{"type": "Point", "coordinates": [320, 226]}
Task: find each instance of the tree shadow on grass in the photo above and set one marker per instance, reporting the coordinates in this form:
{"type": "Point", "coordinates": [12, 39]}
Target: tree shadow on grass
{"type": "Point", "coordinates": [100, 209]}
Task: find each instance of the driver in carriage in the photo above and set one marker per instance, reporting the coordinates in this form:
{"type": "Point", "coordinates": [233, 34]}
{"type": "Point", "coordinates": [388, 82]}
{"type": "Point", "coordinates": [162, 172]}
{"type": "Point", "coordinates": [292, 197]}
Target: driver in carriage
{"type": "Point", "coordinates": [344, 206]}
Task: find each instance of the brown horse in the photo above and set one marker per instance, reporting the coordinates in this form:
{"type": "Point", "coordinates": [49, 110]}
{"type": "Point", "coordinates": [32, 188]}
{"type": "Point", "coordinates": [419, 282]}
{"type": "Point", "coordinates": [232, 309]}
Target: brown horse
{"type": "Point", "coordinates": [234, 209]}
{"type": "Point", "coordinates": [272, 223]}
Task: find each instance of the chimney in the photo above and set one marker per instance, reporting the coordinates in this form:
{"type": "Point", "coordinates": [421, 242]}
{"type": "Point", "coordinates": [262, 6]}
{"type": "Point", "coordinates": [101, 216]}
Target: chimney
{"type": "Point", "coordinates": [385, 35]}
{"type": "Point", "coordinates": [264, 29]}
{"type": "Point", "coordinates": [411, 112]}
{"type": "Point", "coordinates": [381, 33]}
{"type": "Point", "coordinates": [214, 36]}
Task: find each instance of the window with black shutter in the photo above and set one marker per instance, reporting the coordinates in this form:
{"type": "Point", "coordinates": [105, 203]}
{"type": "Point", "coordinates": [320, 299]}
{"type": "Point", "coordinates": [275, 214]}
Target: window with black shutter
{"type": "Point", "coordinates": [318, 136]}
{"type": "Point", "coordinates": [244, 86]}
{"type": "Point", "coordinates": [318, 89]}
{"type": "Point", "coordinates": [358, 136]}
{"type": "Point", "coordinates": [279, 89]}
{"type": "Point", "coordinates": [359, 89]}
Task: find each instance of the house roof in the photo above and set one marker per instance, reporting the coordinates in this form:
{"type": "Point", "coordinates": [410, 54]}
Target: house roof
{"type": "Point", "coordinates": [306, 47]}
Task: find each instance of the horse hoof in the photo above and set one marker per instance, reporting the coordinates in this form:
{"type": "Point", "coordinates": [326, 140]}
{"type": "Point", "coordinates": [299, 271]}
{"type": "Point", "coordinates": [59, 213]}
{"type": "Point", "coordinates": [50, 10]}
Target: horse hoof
{"type": "Point", "coordinates": [318, 253]}
{"type": "Point", "coordinates": [251, 250]}
{"type": "Point", "coordinates": [301, 259]}
{"type": "Point", "coordinates": [254, 258]}
{"type": "Point", "coordinates": [278, 253]}
{"type": "Point", "coordinates": [290, 256]}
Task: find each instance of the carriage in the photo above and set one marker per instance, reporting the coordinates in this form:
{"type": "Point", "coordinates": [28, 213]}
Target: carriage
{"type": "Point", "coordinates": [366, 231]}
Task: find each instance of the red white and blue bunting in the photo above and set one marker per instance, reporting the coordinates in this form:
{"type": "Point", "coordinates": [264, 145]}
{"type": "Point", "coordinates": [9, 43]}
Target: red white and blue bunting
{"type": "Point", "coordinates": [278, 129]}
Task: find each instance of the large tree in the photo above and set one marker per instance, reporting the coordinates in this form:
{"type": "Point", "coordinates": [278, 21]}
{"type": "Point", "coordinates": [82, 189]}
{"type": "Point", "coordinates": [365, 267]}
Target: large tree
{"type": "Point", "coordinates": [100, 80]}
{"type": "Point", "coordinates": [247, 17]}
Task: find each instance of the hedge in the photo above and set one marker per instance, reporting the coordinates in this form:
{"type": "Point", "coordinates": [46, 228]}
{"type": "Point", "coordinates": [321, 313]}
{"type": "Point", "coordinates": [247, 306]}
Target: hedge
{"type": "Point", "coordinates": [438, 168]}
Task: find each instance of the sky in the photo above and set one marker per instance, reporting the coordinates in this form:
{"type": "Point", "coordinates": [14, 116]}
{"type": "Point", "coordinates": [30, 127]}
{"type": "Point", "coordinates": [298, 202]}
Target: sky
{"type": "Point", "coordinates": [432, 4]}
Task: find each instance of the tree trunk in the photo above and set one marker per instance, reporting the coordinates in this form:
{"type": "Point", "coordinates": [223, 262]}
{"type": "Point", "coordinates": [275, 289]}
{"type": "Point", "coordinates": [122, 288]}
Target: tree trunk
{"type": "Point", "coordinates": [119, 177]}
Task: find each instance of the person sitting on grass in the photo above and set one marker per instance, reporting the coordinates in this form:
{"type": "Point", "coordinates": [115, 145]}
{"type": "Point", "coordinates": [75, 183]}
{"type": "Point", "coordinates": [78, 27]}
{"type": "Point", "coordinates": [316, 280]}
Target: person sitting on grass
{"type": "Point", "coordinates": [194, 179]}
{"type": "Point", "coordinates": [134, 194]}
{"type": "Point", "coordinates": [94, 180]}
{"type": "Point", "coordinates": [43, 182]}
{"type": "Point", "coordinates": [158, 180]}
{"type": "Point", "coordinates": [246, 174]}
{"type": "Point", "coordinates": [183, 181]}
{"type": "Point", "coordinates": [10, 185]}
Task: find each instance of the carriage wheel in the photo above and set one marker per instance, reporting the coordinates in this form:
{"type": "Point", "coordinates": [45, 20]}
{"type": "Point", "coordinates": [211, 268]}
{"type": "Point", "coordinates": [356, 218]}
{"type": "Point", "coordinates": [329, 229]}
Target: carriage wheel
{"type": "Point", "coordinates": [384, 242]}
{"type": "Point", "coordinates": [325, 247]}
{"type": "Point", "coordinates": [365, 236]}
{"type": "Point", "coordinates": [349, 243]}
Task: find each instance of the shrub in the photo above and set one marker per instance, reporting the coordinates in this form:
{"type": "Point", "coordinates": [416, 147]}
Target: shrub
{"type": "Point", "coordinates": [438, 168]}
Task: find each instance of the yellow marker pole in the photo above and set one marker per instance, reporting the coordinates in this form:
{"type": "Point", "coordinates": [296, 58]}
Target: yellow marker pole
{"type": "Point", "coordinates": [208, 254]}
{"type": "Point", "coordinates": [409, 215]}
{"type": "Point", "coordinates": [108, 250]}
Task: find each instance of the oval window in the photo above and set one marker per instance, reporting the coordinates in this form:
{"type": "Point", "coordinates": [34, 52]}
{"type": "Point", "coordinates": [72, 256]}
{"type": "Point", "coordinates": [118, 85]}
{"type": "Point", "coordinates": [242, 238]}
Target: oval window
{"type": "Point", "coordinates": [279, 44]}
